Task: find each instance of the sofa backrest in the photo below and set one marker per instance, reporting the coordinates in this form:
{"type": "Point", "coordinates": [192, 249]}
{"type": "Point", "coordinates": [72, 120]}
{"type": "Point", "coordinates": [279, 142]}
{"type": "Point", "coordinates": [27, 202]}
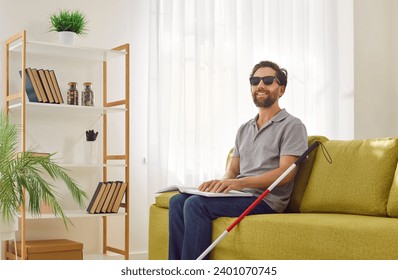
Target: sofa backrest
{"type": "Point", "coordinates": [359, 181]}
{"type": "Point", "coordinates": [392, 204]}
{"type": "Point", "coordinates": [302, 177]}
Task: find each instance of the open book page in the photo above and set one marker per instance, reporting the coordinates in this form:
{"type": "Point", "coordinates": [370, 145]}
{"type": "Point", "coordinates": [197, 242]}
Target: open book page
{"type": "Point", "coordinates": [194, 190]}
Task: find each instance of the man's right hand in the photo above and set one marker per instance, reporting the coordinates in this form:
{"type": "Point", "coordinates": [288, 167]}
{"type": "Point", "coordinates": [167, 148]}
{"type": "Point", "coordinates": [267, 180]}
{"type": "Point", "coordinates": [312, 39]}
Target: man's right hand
{"type": "Point", "coordinates": [208, 186]}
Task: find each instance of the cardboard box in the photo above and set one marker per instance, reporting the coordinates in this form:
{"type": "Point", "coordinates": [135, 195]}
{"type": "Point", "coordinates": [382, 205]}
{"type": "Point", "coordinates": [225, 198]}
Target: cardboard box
{"type": "Point", "coordinates": [55, 249]}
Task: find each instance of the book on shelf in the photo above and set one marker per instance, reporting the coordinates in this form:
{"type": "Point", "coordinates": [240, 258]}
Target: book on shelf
{"type": "Point", "coordinates": [103, 197]}
{"type": "Point", "coordinates": [119, 198]}
{"type": "Point", "coordinates": [39, 154]}
{"type": "Point", "coordinates": [51, 85]}
{"type": "Point", "coordinates": [194, 190]}
{"type": "Point", "coordinates": [46, 87]}
{"type": "Point", "coordinates": [104, 208]}
{"type": "Point", "coordinates": [56, 86]}
{"type": "Point", "coordinates": [96, 198]}
{"type": "Point", "coordinates": [31, 88]}
{"type": "Point", "coordinates": [114, 196]}
{"type": "Point", "coordinates": [39, 85]}
{"type": "Point", "coordinates": [36, 154]}
{"type": "Point", "coordinates": [35, 85]}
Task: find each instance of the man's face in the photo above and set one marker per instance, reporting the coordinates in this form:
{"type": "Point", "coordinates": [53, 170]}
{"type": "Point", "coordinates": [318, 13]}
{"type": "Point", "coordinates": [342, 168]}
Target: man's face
{"type": "Point", "coordinates": [265, 96]}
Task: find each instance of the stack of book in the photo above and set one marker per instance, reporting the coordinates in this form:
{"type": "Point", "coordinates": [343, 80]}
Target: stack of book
{"type": "Point", "coordinates": [42, 86]}
{"type": "Point", "coordinates": [107, 197]}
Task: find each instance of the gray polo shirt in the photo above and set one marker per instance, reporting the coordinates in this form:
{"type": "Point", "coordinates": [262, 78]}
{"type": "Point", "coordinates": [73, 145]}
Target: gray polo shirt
{"type": "Point", "coordinates": [259, 152]}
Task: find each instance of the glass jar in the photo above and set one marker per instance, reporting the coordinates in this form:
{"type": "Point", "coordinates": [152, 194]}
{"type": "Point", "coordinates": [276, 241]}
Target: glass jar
{"type": "Point", "coordinates": [87, 95]}
{"type": "Point", "coordinates": [73, 94]}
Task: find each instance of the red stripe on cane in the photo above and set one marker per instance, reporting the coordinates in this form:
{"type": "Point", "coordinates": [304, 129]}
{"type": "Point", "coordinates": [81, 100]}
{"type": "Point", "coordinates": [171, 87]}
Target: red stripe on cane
{"type": "Point", "coordinates": [248, 210]}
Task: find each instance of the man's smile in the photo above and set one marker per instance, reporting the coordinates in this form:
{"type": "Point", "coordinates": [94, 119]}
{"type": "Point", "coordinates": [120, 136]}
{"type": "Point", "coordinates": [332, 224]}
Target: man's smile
{"type": "Point", "coordinates": [261, 93]}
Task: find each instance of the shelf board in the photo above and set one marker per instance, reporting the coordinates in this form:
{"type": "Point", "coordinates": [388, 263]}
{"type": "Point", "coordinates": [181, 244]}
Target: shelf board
{"type": "Point", "coordinates": [87, 165]}
{"type": "Point", "coordinates": [73, 214]}
{"type": "Point", "coordinates": [89, 53]}
{"type": "Point", "coordinates": [54, 108]}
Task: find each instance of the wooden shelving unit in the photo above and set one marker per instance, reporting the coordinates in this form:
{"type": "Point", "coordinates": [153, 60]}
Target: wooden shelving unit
{"type": "Point", "coordinates": [18, 104]}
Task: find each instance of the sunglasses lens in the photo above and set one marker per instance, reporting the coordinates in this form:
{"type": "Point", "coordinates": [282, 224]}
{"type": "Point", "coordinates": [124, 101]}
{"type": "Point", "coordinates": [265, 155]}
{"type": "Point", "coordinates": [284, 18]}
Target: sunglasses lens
{"type": "Point", "coordinates": [268, 80]}
{"type": "Point", "coordinates": [255, 81]}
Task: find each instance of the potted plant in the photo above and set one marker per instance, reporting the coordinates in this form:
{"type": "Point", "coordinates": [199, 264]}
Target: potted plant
{"type": "Point", "coordinates": [23, 172]}
{"type": "Point", "coordinates": [68, 23]}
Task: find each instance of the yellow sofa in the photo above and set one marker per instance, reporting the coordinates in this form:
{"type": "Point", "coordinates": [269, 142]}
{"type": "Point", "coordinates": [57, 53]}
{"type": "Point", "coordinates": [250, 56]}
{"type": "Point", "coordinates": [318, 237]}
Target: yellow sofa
{"type": "Point", "coordinates": [344, 210]}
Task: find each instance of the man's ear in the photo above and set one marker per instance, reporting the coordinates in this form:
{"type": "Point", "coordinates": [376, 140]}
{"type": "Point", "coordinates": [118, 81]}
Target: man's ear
{"type": "Point", "coordinates": [281, 90]}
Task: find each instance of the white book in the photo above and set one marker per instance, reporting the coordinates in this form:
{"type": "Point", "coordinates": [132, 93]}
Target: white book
{"type": "Point", "coordinates": [195, 191]}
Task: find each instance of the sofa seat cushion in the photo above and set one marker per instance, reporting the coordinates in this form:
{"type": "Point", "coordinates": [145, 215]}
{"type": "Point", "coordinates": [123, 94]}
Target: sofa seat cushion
{"type": "Point", "coordinates": [162, 200]}
{"type": "Point", "coordinates": [308, 236]}
{"type": "Point", "coordinates": [357, 182]}
{"type": "Point", "coordinates": [158, 233]}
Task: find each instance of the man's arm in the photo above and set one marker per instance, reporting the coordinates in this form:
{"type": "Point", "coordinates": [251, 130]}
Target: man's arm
{"type": "Point", "coordinates": [262, 181]}
{"type": "Point", "coordinates": [233, 169]}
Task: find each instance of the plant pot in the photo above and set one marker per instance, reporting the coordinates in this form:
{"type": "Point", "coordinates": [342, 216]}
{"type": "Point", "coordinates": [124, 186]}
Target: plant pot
{"type": "Point", "coordinates": [66, 37]}
{"type": "Point", "coordinates": [91, 152]}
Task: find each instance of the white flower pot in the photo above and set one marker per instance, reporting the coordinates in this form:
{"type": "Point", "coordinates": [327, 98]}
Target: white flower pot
{"type": "Point", "coordinates": [66, 37]}
{"type": "Point", "coordinates": [91, 152]}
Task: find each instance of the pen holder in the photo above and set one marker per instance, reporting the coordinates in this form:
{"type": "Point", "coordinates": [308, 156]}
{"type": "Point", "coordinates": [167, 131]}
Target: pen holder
{"type": "Point", "coordinates": [91, 152]}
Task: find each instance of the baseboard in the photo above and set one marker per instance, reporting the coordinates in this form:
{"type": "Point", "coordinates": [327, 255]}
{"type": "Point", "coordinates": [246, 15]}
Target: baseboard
{"type": "Point", "coordinates": [113, 256]}
{"type": "Point", "coordinates": [139, 255]}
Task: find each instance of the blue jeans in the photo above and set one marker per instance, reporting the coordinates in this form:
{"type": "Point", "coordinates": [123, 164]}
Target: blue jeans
{"type": "Point", "coordinates": [190, 218]}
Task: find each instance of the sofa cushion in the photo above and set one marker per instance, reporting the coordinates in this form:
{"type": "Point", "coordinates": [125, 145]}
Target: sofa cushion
{"type": "Point", "coordinates": [302, 177]}
{"type": "Point", "coordinates": [162, 200]}
{"type": "Point", "coordinates": [158, 233]}
{"type": "Point", "coordinates": [307, 236]}
{"type": "Point", "coordinates": [357, 182]}
{"type": "Point", "coordinates": [392, 205]}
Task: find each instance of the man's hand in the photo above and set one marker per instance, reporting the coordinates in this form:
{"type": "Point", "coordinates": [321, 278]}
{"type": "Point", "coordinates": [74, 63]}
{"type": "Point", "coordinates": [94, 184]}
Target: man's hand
{"type": "Point", "coordinates": [209, 185]}
{"type": "Point", "coordinates": [225, 185]}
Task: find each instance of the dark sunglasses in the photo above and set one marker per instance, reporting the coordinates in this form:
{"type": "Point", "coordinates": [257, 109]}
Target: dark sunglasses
{"type": "Point", "coordinates": [267, 80]}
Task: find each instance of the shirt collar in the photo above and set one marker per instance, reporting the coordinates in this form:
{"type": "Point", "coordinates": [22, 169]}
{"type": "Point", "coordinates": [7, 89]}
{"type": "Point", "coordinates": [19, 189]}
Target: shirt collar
{"type": "Point", "coordinates": [277, 118]}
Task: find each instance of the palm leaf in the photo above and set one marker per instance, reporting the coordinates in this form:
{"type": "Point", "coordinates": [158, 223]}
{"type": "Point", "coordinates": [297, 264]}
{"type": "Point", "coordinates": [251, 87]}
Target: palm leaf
{"type": "Point", "coordinates": [25, 172]}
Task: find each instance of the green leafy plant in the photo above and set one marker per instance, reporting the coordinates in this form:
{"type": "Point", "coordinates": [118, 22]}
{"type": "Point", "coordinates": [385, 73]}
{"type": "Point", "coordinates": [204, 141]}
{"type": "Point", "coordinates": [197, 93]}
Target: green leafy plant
{"type": "Point", "coordinates": [66, 20]}
{"type": "Point", "coordinates": [22, 172]}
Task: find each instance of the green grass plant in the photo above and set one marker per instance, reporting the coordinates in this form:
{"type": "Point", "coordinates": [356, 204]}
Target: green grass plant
{"type": "Point", "coordinates": [67, 20]}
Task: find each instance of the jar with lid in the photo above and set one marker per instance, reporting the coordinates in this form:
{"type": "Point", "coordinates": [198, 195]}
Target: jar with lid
{"type": "Point", "coordinates": [87, 95]}
{"type": "Point", "coordinates": [73, 94]}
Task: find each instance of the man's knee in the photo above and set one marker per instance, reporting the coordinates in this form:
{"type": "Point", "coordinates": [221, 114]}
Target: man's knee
{"type": "Point", "coordinates": [194, 203]}
{"type": "Point", "coordinates": [177, 201]}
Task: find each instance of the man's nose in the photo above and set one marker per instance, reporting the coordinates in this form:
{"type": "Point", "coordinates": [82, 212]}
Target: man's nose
{"type": "Point", "coordinates": [261, 84]}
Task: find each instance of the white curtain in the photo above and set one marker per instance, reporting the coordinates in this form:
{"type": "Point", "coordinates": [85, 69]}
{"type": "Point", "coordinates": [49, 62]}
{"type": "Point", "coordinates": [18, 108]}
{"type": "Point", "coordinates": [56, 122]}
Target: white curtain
{"type": "Point", "coordinates": [201, 55]}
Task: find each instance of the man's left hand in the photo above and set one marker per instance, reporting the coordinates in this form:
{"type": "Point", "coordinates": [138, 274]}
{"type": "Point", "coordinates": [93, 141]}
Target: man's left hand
{"type": "Point", "coordinates": [226, 185]}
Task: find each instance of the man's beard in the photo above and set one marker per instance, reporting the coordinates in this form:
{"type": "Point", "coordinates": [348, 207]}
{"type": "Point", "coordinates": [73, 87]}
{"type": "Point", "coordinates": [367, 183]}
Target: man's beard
{"type": "Point", "coordinates": [264, 102]}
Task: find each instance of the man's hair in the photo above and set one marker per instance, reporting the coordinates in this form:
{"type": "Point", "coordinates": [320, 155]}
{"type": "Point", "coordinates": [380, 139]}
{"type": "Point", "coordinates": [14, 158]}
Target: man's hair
{"type": "Point", "coordinates": [281, 73]}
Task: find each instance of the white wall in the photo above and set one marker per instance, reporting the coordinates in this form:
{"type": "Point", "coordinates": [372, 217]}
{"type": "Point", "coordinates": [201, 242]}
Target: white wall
{"type": "Point", "coordinates": [111, 23]}
{"type": "Point", "coordinates": [376, 83]}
